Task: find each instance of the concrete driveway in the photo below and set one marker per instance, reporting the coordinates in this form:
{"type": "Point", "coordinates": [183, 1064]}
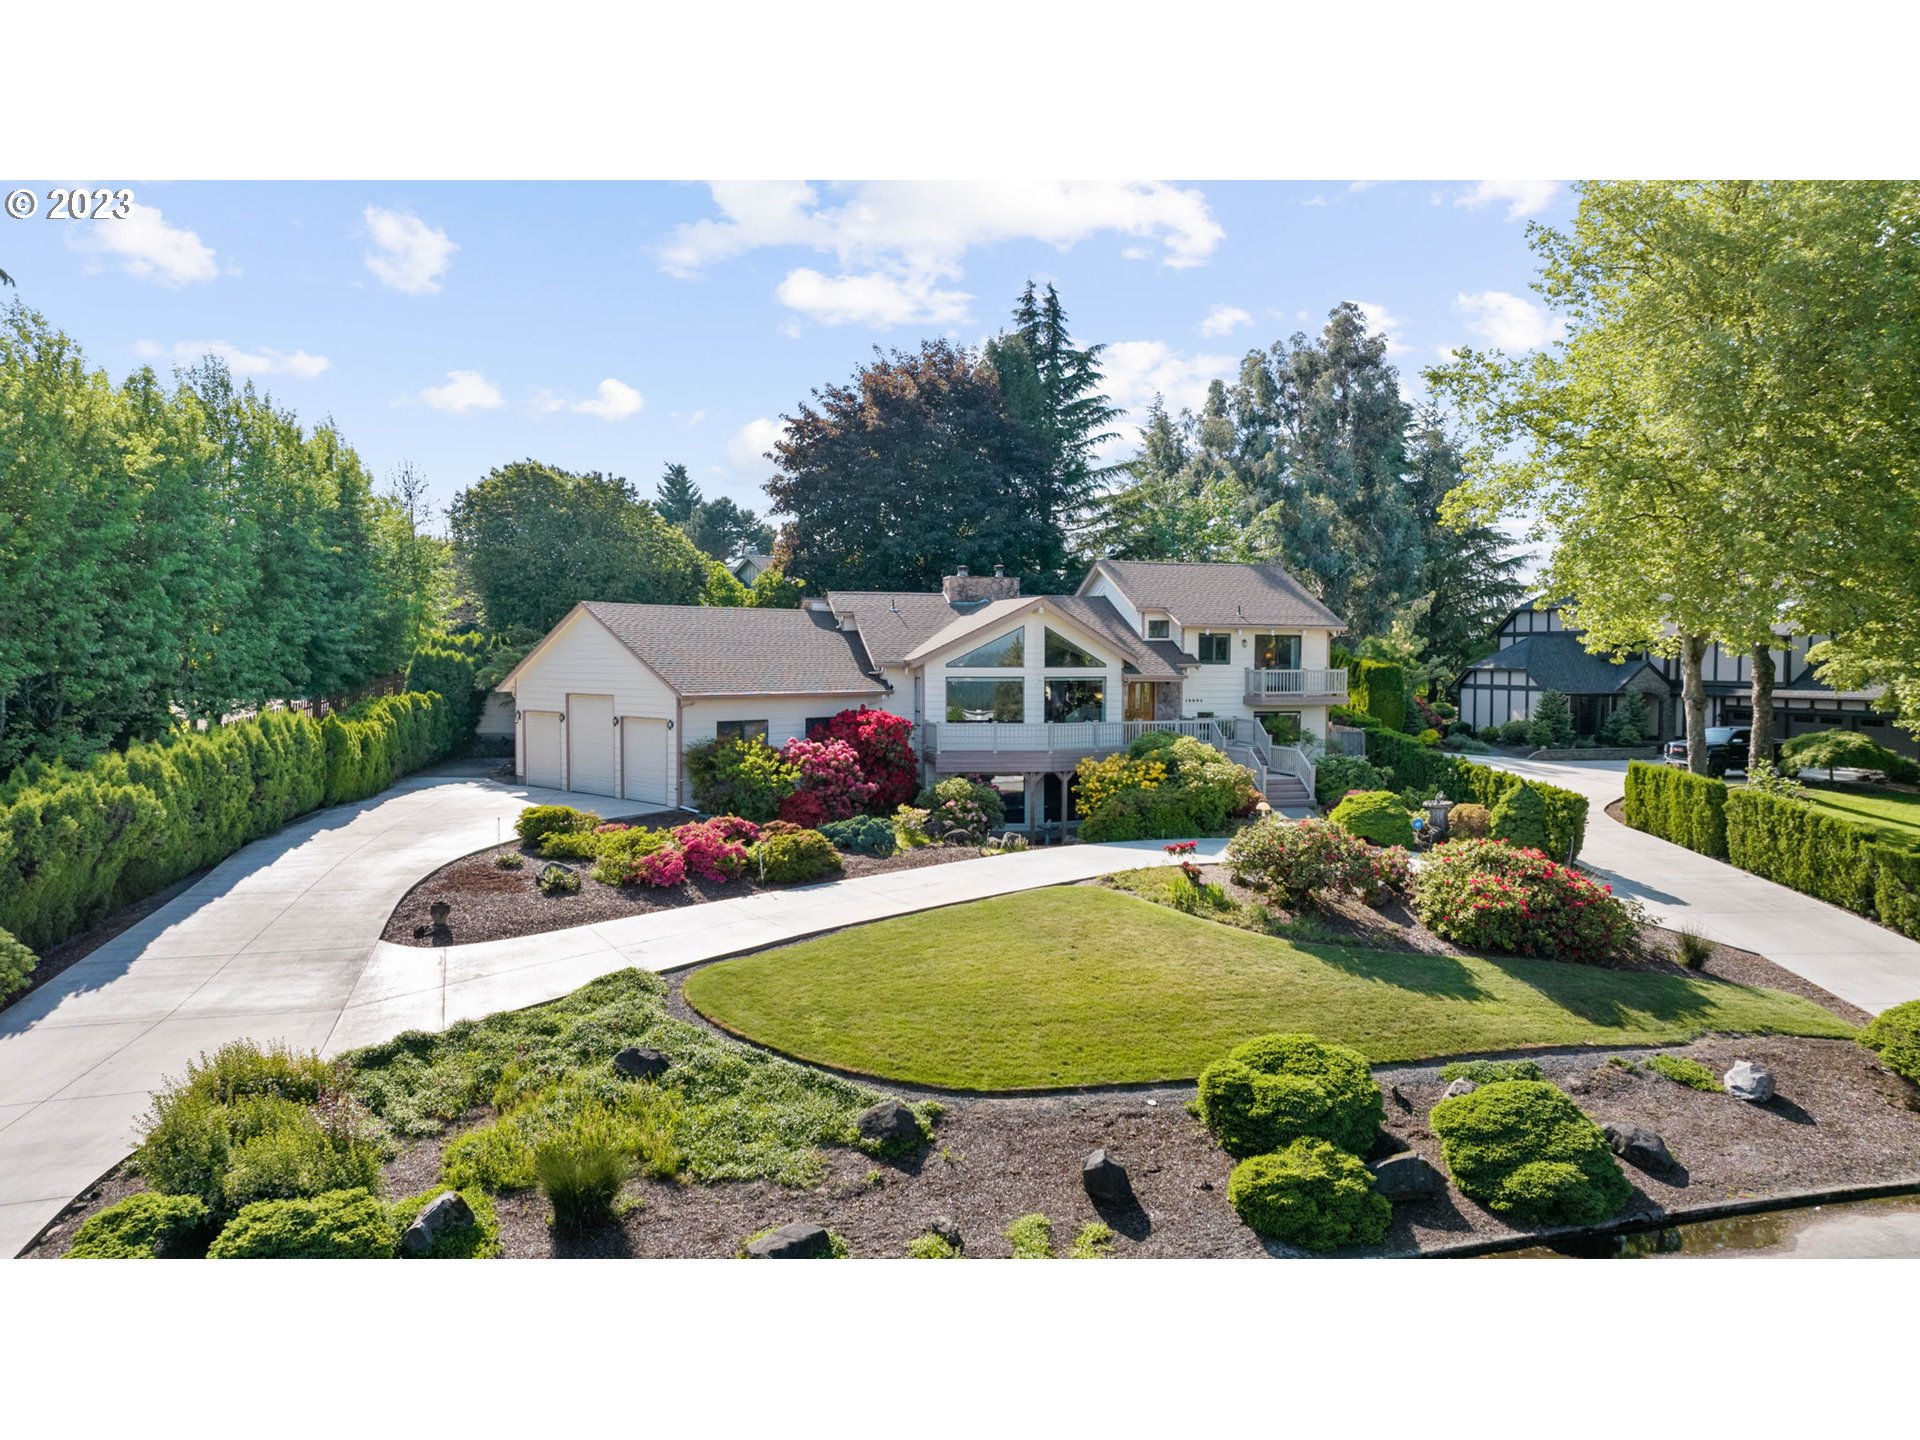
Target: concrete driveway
{"type": "Point", "coordinates": [1859, 961]}
{"type": "Point", "coordinates": [281, 941]}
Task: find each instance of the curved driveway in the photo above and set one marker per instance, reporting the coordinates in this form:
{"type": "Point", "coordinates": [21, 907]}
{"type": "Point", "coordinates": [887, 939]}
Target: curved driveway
{"type": "Point", "coordinates": [281, 941]}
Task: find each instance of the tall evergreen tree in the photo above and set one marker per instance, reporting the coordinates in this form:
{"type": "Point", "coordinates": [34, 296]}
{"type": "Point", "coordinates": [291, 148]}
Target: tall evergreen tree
{"type": "Point", "coordinates": [676, 497]}
{"type": "Point", "coordinates": [725, 531]}
{"type": "Point", "coordinates": [1184, 502]}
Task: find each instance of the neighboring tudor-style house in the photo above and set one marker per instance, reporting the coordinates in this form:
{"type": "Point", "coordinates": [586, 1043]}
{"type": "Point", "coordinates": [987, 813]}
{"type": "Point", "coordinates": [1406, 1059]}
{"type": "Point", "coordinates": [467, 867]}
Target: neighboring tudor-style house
{"type": "Point", "coordinates": [1538, 652]}
{"type": "Point", "coordinates": [749, 568]}
{"type": "Point", "coordinates": [1018, 687]}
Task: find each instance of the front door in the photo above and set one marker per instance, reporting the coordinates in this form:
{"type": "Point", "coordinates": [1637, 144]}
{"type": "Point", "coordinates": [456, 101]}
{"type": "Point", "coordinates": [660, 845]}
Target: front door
{"type": "Point", "coordinates": [1139, 703]}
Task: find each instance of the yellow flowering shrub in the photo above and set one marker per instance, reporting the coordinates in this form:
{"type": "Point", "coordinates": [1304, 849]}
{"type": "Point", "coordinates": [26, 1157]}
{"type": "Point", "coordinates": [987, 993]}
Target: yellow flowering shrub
{"type": "Point", "coordinates": [1102, 779]}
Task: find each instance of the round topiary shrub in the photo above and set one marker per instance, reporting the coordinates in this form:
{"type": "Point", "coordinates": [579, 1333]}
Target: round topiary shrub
{"type": "Point", "coordinates": [1523, 1148]}
{"type": "Point", "coordinates": [795, 858]}
{"type": "Point", "coordinates": [1335, 775]}
{"type": "Point", "coordinates": [1894, 1035]}
{"type": "Point", "coordinates": [1275, 1089]}
{"type": "Point", "coordinates": [1377, 816]}
{"type": "Point", "coordinates": [537, 822]}
{"type": "Point", "coordinates": [1487, 895]}
{"type": "Point", "coordinates": [340, 1225]}
{"type": "Point", "coordinates": [1519, 817]}
{"type": "Point", "coordinates": [862, 835]}
{"type": "Point", "coordinates": [1310, 1194]}
{"type": "Point", "coordinates": [1467, 821]}
{"type": "Point", "coordinates": [147, 1226]}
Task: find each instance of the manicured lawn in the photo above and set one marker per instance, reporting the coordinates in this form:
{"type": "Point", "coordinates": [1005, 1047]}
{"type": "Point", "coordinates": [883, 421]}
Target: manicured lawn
{"type": "Point", "coordinates": [1083, 986]}
{"type": "Point", "coordinates": [1894, 813]}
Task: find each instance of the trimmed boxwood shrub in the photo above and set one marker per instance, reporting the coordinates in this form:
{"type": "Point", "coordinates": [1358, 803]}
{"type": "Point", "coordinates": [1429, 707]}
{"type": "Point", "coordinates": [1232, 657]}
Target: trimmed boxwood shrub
{"type": "Point", "coordinates": [1678, 806]}
{"type": "Point", "coordinates": [146, 1226]}
{"type": "Point", "coordinates": [1520, 819]}
{"type": "Point", "coordinates": [1310, 1194]}
{"type": "Point", "coordinates": [1468, 821]}
{"type": "Point", "coordinates": [1413, 766]}
{"type": "Point", "coordinates": [340, 1225]}
{"type": "Point", "coordinates": [1523, 1148]}
{"type": "Point", "coordinates": [17, 963]}
{"type": "Point", "coordinates": [1796, 845]}
{"type": "Point", "coordinates": [1487, 895]}
{"type": "Point", "coordinates": [862, 835]}
{"type": "Point", "coordinates": [1375, 815]}
{"type": "Point", "coordinates": [794, 857]}
{"type": "Point", "coordinates": [1894, 1035]}
{"type": "Point", "coordinates": [1274, 1089]}
{"type": "Point", "coordinates": [1164, 788]}
{"type": "Point", "coordinates": [537, 822]}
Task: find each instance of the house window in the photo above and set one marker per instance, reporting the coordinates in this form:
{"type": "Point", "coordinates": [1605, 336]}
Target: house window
{"type": "Point", "coordinates": [1215, 648]}
{"type": "Point", "coordinates": [1283, 726]}
{"type": "Point", "coordinates": [971, 701]}
{"type": "Point", "coordinates": [1276, 652]}
{"type": "Point", "coordinates": [1071, 700]}
{"type": "Point", "coordinates": [1006, 653]}
{"type": "Point", "coordinates": [816, 728]}
{"type": "Point", "coordinates": [740, 730]}
{"type": "Point", "coordinates": [1063, 654]}
{"type": "Point", "coordinates": [1159, 629]}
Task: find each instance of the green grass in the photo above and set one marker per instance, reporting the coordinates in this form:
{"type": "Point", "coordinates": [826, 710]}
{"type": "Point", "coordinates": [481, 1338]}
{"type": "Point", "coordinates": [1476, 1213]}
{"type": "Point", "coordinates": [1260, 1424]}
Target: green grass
{"type": "Point", "coordinates": [1081, 985]}
{"type": "Point", "coordinates": [1683, 1071]}
{"type": "Point", "coordinates": [1895, 814]}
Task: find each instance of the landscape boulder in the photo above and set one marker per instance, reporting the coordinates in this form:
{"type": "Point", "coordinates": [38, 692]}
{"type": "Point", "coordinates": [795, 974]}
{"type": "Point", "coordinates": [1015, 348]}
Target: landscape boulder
{"type": "Point", "coordinates": [1406, 1177]}
{"type": "Point", "coordinates": [640, 1062]}
{"type": "Point", "coordinates": [1462, 1086]}
{"type": "Point", "coordinates": [1639, 1146]}
{"type": "Point", "coordinates": [442, 1213]}
{"type": "Point", "coordinates": [947, 1228]}
{"type": "Point", "coordinates": [1106, 1178]}
{"type": "Point", "coordinates": [1386, 1143]}
{"type": "Point", "coordinates": [890, 1125]}
{"type": "Point", "coordinates": [797, 1241]}
{"type": "Point", "coordinates": [1750, 1082]}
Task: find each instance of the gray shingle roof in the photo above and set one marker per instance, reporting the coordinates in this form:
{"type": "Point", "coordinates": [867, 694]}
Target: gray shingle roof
{"type": "Point", "coordinates": [1556, 660]}
{"type": "Point", "coordinates": [896, 625]}
{"type": "Point", "coordinates": [720, 650]}
{"type": "Point", "coordinates": [1216, 593]}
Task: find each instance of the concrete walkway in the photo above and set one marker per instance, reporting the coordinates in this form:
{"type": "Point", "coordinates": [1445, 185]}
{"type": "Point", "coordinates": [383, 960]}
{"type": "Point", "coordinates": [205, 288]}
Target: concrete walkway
{"type": "Point", "coordinates": [1867, 964]}
{"type": "Point", "coordinates": [282, 942]}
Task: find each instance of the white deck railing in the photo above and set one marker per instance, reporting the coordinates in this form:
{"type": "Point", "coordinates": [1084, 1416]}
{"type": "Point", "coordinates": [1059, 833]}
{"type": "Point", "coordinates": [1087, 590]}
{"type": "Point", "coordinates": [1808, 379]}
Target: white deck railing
{"type": "Point", "coordinates": [1280, 684]}
{"type": "Point", "coordinates": [992, 737]}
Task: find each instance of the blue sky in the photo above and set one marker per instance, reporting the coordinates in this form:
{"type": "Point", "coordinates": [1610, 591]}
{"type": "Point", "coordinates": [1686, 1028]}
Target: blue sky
{"type": "Point", "coordinates": [619, 326]}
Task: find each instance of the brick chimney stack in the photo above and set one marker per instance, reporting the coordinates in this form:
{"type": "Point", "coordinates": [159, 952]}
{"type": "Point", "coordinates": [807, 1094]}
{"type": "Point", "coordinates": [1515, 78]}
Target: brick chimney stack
{"type": "Point", "coordinates": [961, 588]}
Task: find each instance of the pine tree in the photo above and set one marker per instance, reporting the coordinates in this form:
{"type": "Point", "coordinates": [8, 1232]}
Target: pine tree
{"type": "Point", "coordinates": [1552, 722]}
{"type": "Point", "coordinates": [1184, 502]}
{"type": "Point", "coordinates": [677, 497]}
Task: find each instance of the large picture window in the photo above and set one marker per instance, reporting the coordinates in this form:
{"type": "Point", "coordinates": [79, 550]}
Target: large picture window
{"type": "Point", "coordinates": [979, 700]}
{"type": "Point", "coordinates": [1006, 653]}
{"type": "Point", "coordinates": [1276, 652]}
{"type": "Point", "coordinates": [1063, 654]}
{"type": "Point", "coordinates": [1071, 700]}
{"type": "Point", "coordinates": [1215, 648]}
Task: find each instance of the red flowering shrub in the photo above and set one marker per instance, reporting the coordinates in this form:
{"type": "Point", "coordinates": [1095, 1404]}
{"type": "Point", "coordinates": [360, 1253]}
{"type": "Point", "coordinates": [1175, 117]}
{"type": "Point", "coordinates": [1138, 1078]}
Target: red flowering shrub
{"type": "Point", "coordinates": [1488, 895]}
{"type": "Point", "coordinates": [1293, 860]}
{"type": "Point", "coordinates": [830, 772]}
{"type": "Point", "coordinates": [802, 810]}
{"type": "Point", "coordinates": [1391, 872]}
{"type": "Point", "coordinates": [612, 827]}
{"type": "Point", "coordinates": [706, 850]}
{"type": "Point", "coordinates": [882, 744]}
{"type": "Point", "coordinates": [732, 827]}
{"type": "Point", "coordinates": [663, 869]}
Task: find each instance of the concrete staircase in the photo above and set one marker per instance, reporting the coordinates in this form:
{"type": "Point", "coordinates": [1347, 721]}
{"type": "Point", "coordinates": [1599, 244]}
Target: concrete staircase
{"type": "Point", "coordinates": [1285, 792]}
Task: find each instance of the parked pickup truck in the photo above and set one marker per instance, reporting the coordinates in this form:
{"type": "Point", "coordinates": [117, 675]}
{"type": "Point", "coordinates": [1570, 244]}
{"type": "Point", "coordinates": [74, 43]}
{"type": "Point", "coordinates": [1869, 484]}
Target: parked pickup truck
{"type": "Point", "coordinates": [1726, 749]}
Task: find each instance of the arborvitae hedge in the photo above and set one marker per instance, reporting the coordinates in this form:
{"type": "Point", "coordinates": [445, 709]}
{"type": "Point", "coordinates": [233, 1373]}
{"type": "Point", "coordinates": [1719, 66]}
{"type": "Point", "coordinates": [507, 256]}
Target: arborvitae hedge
{"type": "Point", "coordinates": [1677, 805]}
{"type": "Point", "coordinates": [447, 666]}
{"type": "Point", "coordinates": [76, 843]}
{"type": "Point", "coordinates": [1379, 688]}
{"type": "Point", "coordinates": [1420, 767]}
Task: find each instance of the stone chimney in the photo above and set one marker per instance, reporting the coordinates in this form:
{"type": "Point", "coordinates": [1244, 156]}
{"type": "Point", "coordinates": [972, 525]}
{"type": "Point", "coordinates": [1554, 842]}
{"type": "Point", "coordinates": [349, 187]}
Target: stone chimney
{"type": "Point", "coordinates": [961, 588]}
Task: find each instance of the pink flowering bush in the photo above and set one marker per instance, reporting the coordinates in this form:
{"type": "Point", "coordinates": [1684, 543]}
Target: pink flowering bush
{"type": "Point", "coordinates": [706, 849]}
{"type": "Point", "coordinates": [1489, 895]}
{"type": "Point", "coordinates": [1295, 860]}
{"type": "Point", "coordinates": [830, 774]}
{"type": "Point", "coordinates": [663, 869]}
{"type": "Point", "coordinates": [1391, 874]}
{"type": "Point", "coordinates": [883, 745]}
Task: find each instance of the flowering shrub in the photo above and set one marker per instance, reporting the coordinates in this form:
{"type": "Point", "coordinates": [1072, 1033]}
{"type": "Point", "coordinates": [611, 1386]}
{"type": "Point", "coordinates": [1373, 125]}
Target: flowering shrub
{"type": "Point", "coordinates": [910, 827]}
{"type": "Point", "coordinates": [830, 775]}
{"type": "Point", "coordinates": [971, 807]}
{"type": "Point", "coordinates": [1489, 895]}
{"type": "Point", "coordinates": [1181, 847]}
{"type": "Point", "coordinates": [740, 777]}
{"type": "Point", "coordinates": [612, 827]}
{"type": "Point", "coordinates": [663, 869]}
{"type": "Point", "coordinates": [707, 850]}
{"type": "Point", "coordinates": [1164, 785]}
{"type": "Point", "coordinates": [804, 810]}
{"type": "Point", "coordinates": [1392, 873]}
{"type": "Point", "coordinates": [1293, 860]}
{"type": "Point", "coordinates": [1103, 779]}
{"type": "Point", "coordinates": [882, 745]}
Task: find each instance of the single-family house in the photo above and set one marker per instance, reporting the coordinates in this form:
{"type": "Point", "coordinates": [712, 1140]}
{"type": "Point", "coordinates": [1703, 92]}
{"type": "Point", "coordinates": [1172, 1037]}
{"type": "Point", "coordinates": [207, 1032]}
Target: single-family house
{"type": "Point", "coordinates": [749, 568]}
{"type": "Point", "coordinates": [1016, 687]}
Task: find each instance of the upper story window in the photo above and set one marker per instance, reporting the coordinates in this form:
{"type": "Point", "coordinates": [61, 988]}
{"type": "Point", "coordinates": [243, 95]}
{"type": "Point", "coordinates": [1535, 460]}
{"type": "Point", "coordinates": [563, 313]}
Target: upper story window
{"type": "Point", "coordinates": [1063, 654]}
{"type": "Point", "coordinates": [1276, 652]}
{"type": "Point", "coordinates": [1006, 653]}
{"type": "Point", "coordinates": [1214, 648]}
{"type": "Point", "coordinates": [1161, 629]}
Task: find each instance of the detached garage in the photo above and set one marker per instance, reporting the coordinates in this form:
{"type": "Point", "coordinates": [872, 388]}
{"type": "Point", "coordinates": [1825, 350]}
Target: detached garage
{"type": "Point", "coordinates": [607, 703]}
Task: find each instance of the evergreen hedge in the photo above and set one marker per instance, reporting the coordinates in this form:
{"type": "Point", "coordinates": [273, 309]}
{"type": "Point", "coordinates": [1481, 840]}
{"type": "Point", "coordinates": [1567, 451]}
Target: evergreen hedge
{"type": "Point", "coordinates": [1379, 688]}
{"type": "Point", "coordinates": [1677, 805]}
{"type": "Point", "coordinates": [1414, 766]}
{"type": "Point", "coordinates": [447, 667]}
{"type": "Point", "coordinates": [78, 842]}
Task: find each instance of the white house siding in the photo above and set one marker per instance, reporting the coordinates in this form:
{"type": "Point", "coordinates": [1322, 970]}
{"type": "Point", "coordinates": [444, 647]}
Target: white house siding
{"type": "Point", "coordinates": [1222, 689]}
{"type": "Point", "coordinates": [496, 716]}
{"type": "Point", "coordinates": [1104, 586]}
{"type": "Point", "coordinates": [584, 659]}
{"type": "Point", "coordinates": [1033, 673]}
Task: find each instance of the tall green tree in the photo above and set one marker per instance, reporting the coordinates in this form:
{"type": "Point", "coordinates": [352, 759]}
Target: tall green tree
{"type": "Point", "coordinates": [726, 531]}
{"type": "Point", "coordinates": [1184, 501]}
{"type": "Point", "coordinates": [533, 540]}
{"type": "Point", "coordinates": [676, 497]}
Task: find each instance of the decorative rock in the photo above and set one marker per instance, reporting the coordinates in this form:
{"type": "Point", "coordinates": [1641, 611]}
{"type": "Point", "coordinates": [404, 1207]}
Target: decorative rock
{"type": "Point", "coordinates": [1406, 1177]}
{"type": "Point", "coordinates": [1105, 1178]}
{"type": "Point", "coordinates": [945, 1227]}
{"type": "Point", "coordinates": [639, 1062]}
{"type": "Point", "coordinates": [1462, 1086]}
{"type": "Point", "coordinates": [442, 1213]}
{"type": "Point", "coordinates": [1750, 1082]}
{"type": "Point", "coordinates": [1638, 1146]}
{"type": "Point", "coordinates": [798, 1241]}
{"type": "Point", "coordinates": [890, 1124]}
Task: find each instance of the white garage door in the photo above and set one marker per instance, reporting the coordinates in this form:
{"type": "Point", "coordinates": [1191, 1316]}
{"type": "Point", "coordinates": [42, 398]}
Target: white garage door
{"type": "Point", "coordinates": [646, 758]}
{"type": "Point", "coordinates": [543, 748]}
{"type": "Point", "coordinates": [590, 739]}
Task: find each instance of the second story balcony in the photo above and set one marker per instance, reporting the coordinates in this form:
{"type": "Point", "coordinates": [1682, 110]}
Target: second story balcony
{"type": "Point", "coordinates": [1280, 688]}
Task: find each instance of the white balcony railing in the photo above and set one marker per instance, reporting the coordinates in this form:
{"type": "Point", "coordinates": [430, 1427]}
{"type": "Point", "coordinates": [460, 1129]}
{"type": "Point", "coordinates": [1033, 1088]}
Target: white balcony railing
{"type": "Point", "coordinates": [1083, 736]}
{"type": "Point", "coordinates": [1285, 684]}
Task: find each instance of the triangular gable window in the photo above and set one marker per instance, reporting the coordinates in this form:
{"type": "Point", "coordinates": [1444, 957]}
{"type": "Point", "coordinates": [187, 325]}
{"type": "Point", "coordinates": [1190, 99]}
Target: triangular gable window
{"type": "Point", "coordinates": [1063, 654]}
{"type": "Point", "coordinates": [1006, 653]}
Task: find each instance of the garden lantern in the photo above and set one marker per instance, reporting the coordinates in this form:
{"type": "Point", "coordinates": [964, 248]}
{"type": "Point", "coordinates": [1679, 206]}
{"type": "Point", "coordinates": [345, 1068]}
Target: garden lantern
{"type": "Point", "coordinates": [1437, 809]}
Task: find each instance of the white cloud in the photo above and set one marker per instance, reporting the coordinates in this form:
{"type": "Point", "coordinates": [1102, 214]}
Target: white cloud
{"type": "Point", "coordinates": [1314, 200]}
{"type": "Point", "coordinates": [614, 401]}
{"type": "Point", "coordinates": [1137, 370]}
{"type": "Point", "coordinates": [1224, 320]}
{"type": "Point", "coordinates": [1355, 187]}
{"type": "Point", "coordinates": [264, 361]}
{"type": "Point", "coordinates": [465, 390]}
{"type": "Point", "coordinates": [1522, 197]}
{"type": "Point", "coordinates": [1509, 322]}
{"type": "Point", "coordinates": [147, 247]}
{"type": "Point", "coordinates": [875, 299]}
{"type": "Point", "coordinates": [746, 451]}
{"type": "Point", "coordinates": [410, 255]}
{"type": "Point", "coordinates": [1382, 321]}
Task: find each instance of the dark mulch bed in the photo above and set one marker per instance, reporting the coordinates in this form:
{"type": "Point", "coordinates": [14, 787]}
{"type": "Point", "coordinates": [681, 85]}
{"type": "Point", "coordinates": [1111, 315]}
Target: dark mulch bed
{"type": "Point", "coordinates": [494, 904]}
{"type": "Point", "coordinates": [1840, 1120]}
